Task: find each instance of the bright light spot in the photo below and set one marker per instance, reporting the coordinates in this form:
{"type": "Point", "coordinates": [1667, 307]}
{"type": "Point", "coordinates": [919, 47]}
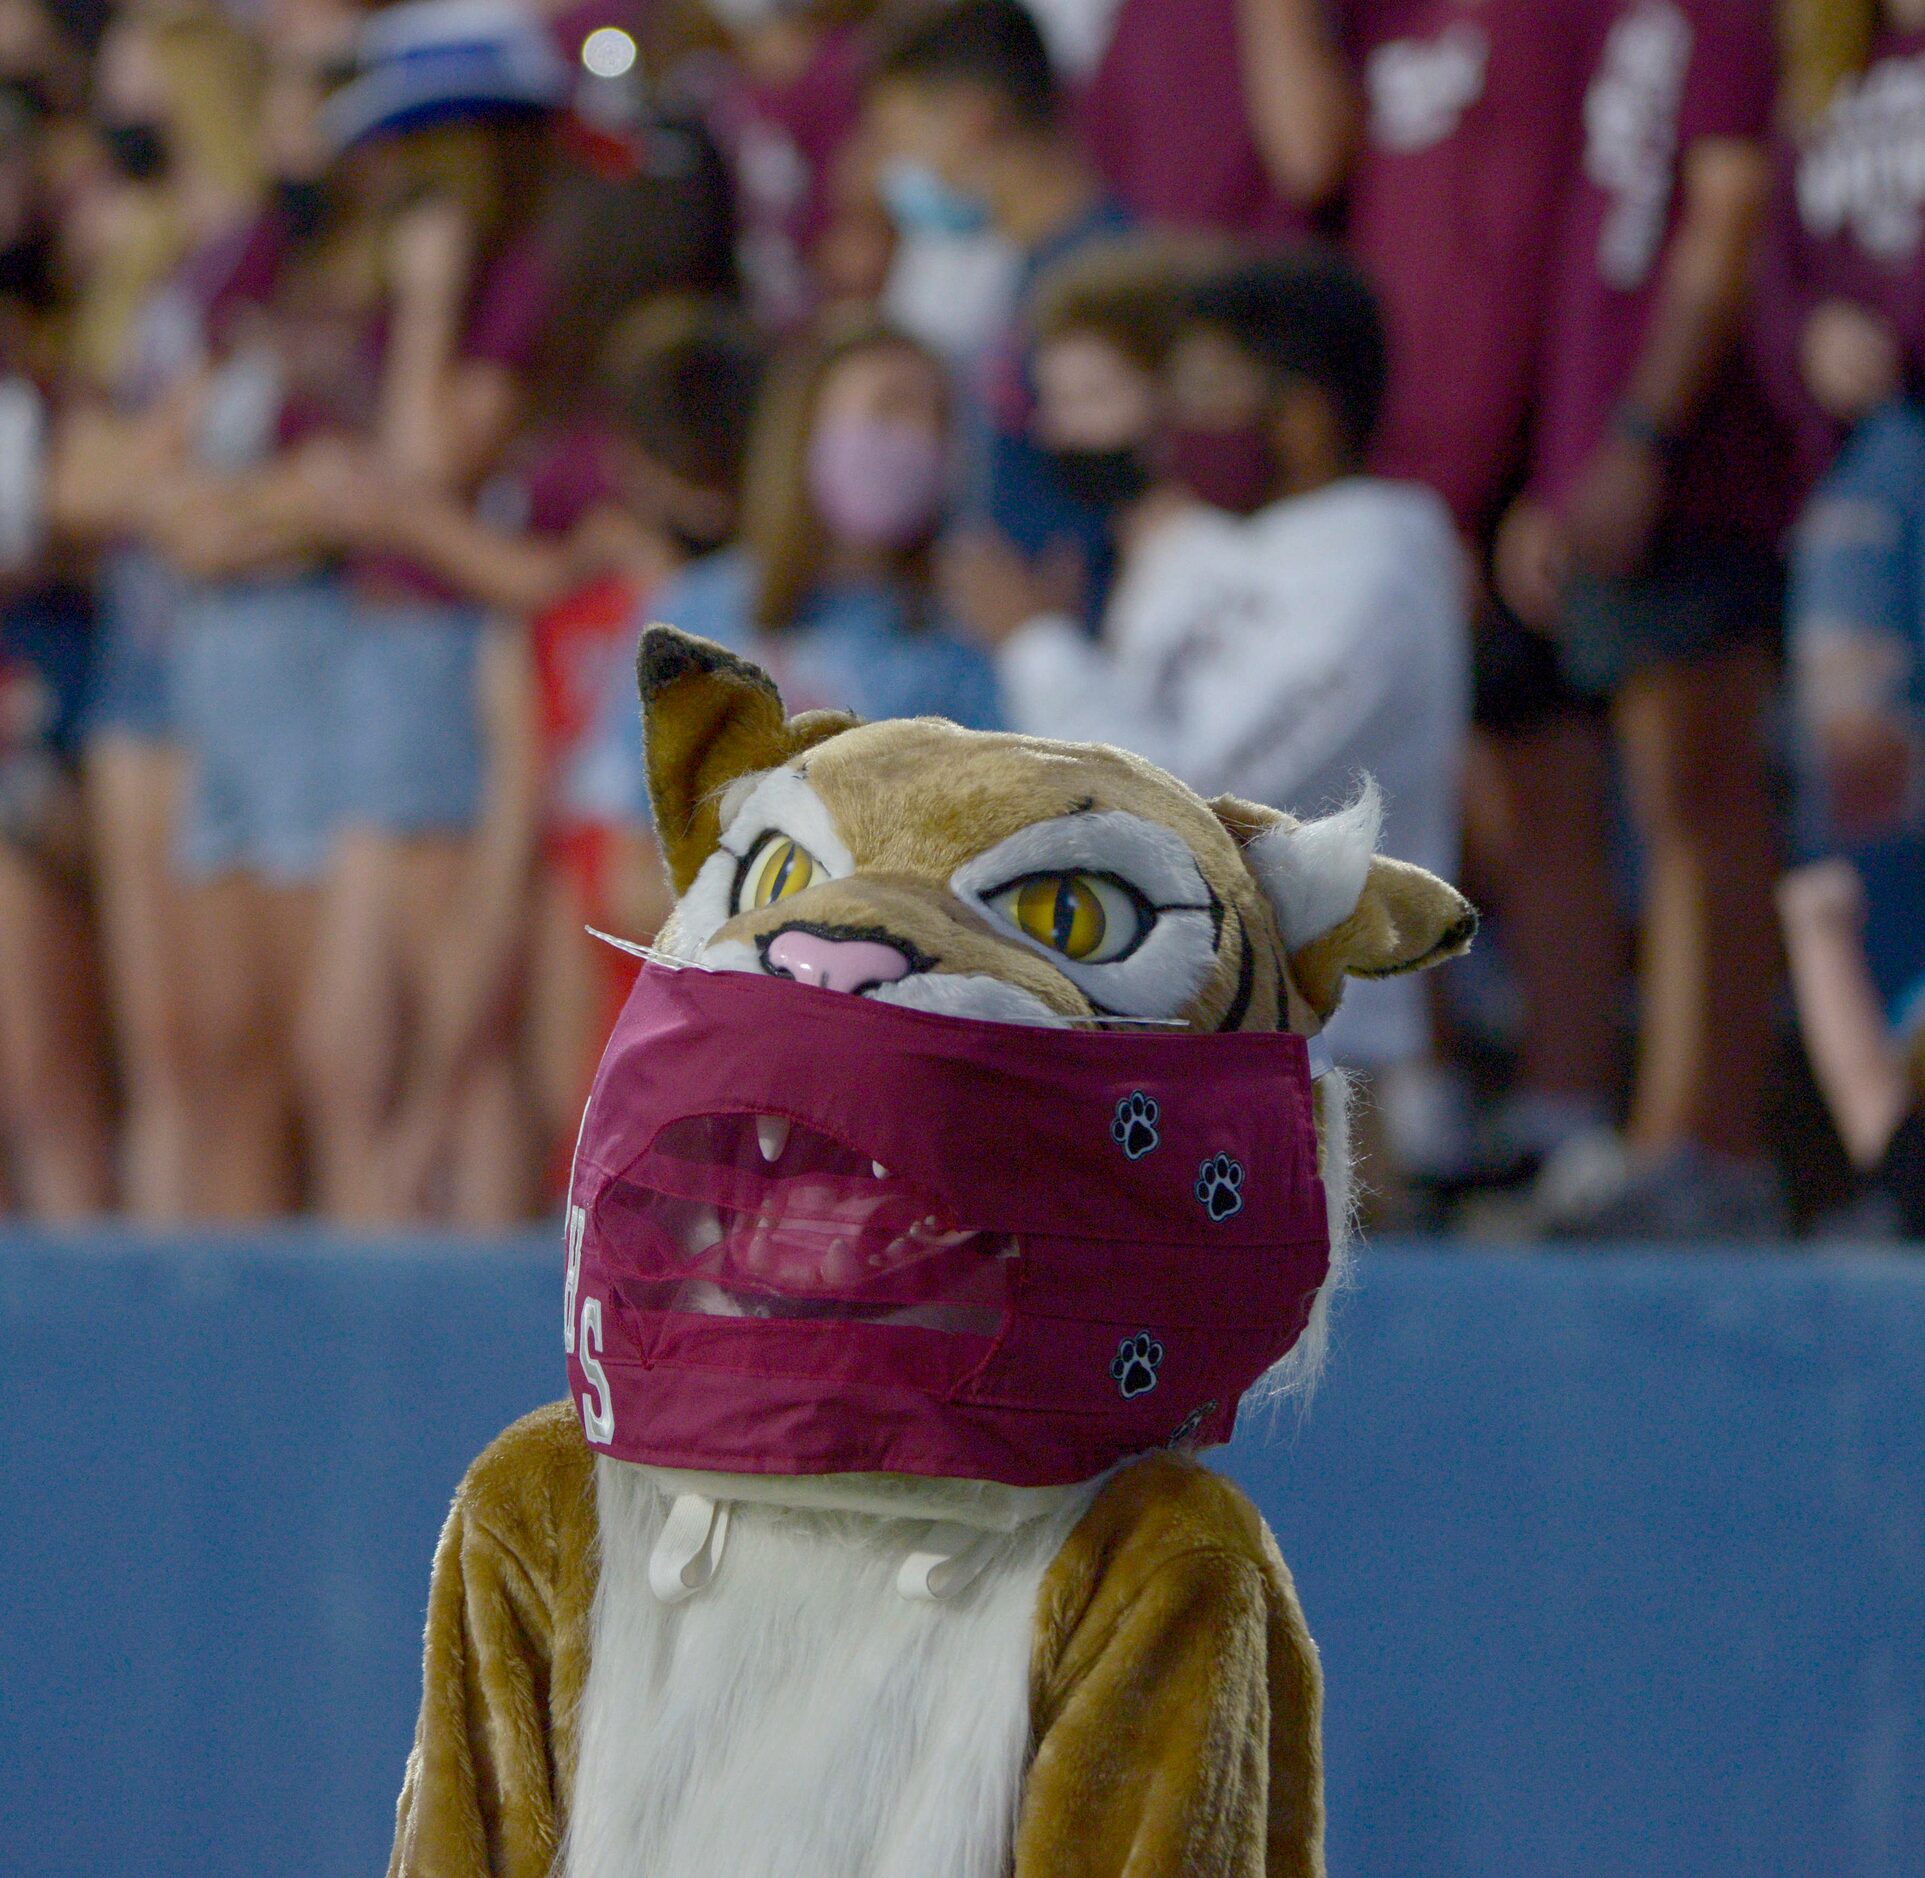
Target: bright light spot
{"type": "Point", "coordinates": [608, 52]}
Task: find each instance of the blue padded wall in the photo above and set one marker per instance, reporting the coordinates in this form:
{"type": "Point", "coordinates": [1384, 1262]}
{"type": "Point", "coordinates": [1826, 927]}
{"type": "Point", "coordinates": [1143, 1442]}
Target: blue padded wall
{"type": "Point", "coordinates": [1617, 1563]}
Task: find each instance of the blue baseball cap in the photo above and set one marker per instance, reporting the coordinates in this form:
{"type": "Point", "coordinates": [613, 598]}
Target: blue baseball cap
{"type": "Point", "coordinates": [438, 61]}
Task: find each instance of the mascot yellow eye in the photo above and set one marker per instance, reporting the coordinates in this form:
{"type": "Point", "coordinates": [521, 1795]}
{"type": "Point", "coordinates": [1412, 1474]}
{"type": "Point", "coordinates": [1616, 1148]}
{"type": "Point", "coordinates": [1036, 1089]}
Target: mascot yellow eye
{"type": "Point", "coordinates": [778, 870]}
{"type": "Point", "coordinates": [1085, 917]}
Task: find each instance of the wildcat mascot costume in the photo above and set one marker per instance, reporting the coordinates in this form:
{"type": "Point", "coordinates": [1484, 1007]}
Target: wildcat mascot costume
{"type": "Point", "coordinates": [954, 1169]}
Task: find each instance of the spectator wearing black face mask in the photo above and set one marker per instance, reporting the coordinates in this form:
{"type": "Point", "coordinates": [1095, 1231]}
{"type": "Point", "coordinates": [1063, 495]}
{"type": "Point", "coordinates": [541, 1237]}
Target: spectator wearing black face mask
{"type": "Point", "coordinates": [1273, 658]}
{"type": "Point", "coordinates": [1270, 657]}
{"type": "Point", "coordinates": [1102, 328]}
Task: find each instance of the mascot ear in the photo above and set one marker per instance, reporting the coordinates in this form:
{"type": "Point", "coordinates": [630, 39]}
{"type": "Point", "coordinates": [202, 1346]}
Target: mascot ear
{"type": "Point", "coordinates": [1344, 910]}
{"type": "Point", "coordinates": [708, 720]}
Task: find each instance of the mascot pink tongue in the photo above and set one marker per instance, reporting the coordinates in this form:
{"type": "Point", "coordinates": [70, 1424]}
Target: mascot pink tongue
{"type": "Point", "coordinates": [817, 1233]}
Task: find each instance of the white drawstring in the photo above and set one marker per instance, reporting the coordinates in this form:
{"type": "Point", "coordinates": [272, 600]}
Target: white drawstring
{"type": "Point", "coordinates": [690, 1548]}
{"type": "Point", "coordinates": [948, 1559]}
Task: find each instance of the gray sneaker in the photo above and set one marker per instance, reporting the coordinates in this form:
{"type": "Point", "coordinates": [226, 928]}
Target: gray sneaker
{"type": "Point", "coordinates": [1595, 1188]}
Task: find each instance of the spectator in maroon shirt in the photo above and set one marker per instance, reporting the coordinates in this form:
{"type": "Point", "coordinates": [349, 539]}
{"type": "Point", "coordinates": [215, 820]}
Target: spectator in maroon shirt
{"type": "Point", "coordinates": [446, 356]}
{"type": "Point", "coordinates": [1840, 306]}
{"type": "Point", "coordinates": [1645, 544]}
{"type": "Point", "coordinates": [1471, 115]}
{"type": "Point", "coordinates": [1472, 112]}
{"type": "Point", "coordinates": [403, 331]}
{"type": "Point", "coordinates": [1233, 116]}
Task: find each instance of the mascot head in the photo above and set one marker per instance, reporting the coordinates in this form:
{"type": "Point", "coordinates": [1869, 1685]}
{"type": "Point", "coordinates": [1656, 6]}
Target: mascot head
{"type": "Point", "coordinates": [1023, 882]}
{"type": "Point", "coordinates": [1034, 1174]}
{"type": "Point", "coordinates": [1006, 877]}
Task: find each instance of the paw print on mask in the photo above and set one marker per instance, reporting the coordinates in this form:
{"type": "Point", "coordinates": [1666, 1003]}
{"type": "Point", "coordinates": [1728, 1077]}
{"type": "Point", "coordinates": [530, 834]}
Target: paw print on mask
{"type": "Point", "coordinates": [1219, 1186]}
{"type": "Point", "coordinates": [1134, 1127]}
{"type": "Point", "coordinates": [1133, 1368]}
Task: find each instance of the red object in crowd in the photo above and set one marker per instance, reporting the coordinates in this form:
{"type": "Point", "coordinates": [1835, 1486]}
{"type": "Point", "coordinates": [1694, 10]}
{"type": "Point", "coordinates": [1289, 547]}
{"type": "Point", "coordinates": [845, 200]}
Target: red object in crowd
{"type": "Point", "coordinates": [572, 644]}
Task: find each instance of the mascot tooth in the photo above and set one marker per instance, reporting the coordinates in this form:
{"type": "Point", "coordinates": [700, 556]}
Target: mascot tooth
{"type": "Point", "coordinates": [954, 1172]}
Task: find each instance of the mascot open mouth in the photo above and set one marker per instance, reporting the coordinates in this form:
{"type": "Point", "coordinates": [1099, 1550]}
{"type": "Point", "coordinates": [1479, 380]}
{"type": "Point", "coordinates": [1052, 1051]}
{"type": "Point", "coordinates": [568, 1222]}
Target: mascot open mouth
{"type": "Point", "coordinates": [755, 1215]}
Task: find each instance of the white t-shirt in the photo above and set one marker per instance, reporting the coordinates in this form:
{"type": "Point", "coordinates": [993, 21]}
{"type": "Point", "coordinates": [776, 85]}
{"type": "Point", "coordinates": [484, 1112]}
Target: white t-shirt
{"type": "Point", "coordinates": [1280, 659]}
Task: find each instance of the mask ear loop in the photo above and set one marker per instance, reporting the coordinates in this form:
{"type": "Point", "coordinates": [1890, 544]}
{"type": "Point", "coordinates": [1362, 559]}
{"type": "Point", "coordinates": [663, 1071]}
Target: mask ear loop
{"type": "Point", "coordinates": [689, 1551]}
{"type": "Point", "coordinates": [947, 1561]}
{"type": "Point", "coordinates": [651, 955]}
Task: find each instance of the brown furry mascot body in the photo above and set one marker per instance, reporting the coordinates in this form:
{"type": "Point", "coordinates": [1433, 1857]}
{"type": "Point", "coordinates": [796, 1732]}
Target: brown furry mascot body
{"type": "Point", "coordinates": [1128, 1686]}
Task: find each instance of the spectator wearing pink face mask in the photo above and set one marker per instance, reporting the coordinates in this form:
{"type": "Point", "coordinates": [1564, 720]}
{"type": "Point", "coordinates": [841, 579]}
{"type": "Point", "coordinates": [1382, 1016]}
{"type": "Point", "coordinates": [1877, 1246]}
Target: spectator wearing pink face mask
{"type": "Point", "coordinates": [829, 588]}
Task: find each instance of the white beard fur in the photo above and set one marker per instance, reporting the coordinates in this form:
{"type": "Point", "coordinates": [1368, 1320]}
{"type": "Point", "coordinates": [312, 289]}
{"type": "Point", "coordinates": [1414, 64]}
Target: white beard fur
{"type": "Point", "coordinates": [798, 1717]}
{"type": "Point", "coordinates": [1298, 1371]}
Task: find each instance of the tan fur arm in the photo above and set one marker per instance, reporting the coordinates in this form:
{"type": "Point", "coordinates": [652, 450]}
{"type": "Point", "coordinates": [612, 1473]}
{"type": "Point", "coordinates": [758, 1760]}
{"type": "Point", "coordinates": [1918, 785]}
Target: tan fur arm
{"type": "Point", "coordinates": [1295, 1682]}
{"type": "Point", "coordinates": [486, 1788]}
{"type": "Point", "coordinates": [1178, 1727]}
{"type": "Point", "coordinates": [476, 1803]}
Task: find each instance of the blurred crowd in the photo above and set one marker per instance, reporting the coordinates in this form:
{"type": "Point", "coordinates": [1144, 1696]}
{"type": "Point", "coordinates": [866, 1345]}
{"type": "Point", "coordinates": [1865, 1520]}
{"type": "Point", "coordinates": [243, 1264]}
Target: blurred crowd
{"type": "Point", "coordinates": [1518, 401]}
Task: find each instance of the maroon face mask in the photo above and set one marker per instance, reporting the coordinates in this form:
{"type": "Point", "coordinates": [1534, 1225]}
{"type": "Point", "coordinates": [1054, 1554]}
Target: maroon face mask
{"type": "Point", "coordinates": [1231, 469]}
{"type": "Point", "coordinates": [816, 1233]}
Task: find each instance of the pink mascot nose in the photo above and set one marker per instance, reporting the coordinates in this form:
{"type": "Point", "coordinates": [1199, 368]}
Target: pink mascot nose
{"type": "Point", "coordinates": [836, 964]}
